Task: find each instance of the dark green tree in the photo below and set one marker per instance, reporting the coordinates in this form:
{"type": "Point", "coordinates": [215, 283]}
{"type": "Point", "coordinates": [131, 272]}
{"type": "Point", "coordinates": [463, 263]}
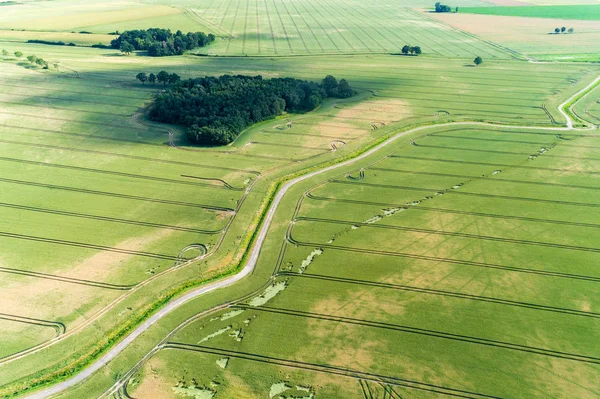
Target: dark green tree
{"type": "Point", "coordinates": [126, 47]}
{"type": "Point", "coordinates": [142, 77]}
{"type": "Point", "coordinates": [478, 60]}
{"type": "Point", "coordinates": [163, 76]}
{"type": "Point", "coordinates": [174, 78]}
{"type": "Point", "coordinates": [405, 49]}
{"type": "Point", "coordinates": [416, 50]}
{"type": "Point", "coordinates": [563, 29]}
{"type": "Point", "coordinates": [330, 84]}
{"type": "Point", "coordinates": [152, 78]}
{"type": "Point", "coordinates": [556, 30]}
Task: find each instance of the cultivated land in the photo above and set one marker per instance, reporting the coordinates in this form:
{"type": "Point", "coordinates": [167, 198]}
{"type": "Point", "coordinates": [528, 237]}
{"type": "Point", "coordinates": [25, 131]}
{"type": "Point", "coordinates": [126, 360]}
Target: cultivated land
{"type": "Point", "coordinates": [585, 12]}
{"type": "Point", "coordinates": [454, 260]}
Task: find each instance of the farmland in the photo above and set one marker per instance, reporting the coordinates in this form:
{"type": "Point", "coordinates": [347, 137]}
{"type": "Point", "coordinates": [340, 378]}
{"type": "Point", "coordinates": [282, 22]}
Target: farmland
{"type": "Point", "coordinates": [433, 235]}
{"type": "Point", "coordinates": [582, 11]}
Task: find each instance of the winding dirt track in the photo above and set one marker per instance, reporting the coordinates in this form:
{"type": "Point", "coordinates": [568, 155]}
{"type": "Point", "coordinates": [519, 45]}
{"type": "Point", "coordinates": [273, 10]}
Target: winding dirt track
{"type": "Point", "coordinates": [256, 249]}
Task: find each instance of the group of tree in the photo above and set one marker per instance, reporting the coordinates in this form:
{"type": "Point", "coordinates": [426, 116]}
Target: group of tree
{"type": "Point", "coordinates": [217, 109]}
{"type": "Point", "coordinates": [563, 30]}
{"type": "Point", "coordinates": [439, 7]}
{"type": "Point", "coordinates": [32, 59]}
{"type": "Point", "coordinates": [406, 49]}
{"type": "Point", "coordinates": [160, 42]}
{"type": "Point", "coordinates": [162, 77]}
{"type": "Point", "coordinates": [37, 61]}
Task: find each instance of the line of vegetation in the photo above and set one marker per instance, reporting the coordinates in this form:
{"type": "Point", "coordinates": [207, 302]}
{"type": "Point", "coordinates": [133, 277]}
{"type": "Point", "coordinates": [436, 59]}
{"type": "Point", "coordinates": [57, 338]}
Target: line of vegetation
{"type": "Point", "coordinates": [162, 77]}
{"type": "Point", "coordinates": [217, 110]}
{"type": "Point", "coordinates": [51, 43]}
{"type": "Point", "coordinates": [160, 42]}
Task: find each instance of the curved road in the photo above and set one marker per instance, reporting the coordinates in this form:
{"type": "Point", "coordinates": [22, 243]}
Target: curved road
{"type": "Point", "coordinates": [252, 260]}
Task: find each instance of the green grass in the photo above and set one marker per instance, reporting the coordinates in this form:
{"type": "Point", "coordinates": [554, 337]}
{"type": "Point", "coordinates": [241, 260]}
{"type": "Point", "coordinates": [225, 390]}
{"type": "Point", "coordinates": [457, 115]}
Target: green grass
{"type": "Point", "coordinates": [579, 12]}
{"type": "Point", "coordinates": [81, 174]}
{"type": "Point", "coordinates": [485, 265]}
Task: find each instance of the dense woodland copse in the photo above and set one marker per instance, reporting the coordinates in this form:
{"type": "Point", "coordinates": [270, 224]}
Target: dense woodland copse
{"type": "Point", "coordinates": [161, 42]}
{"type": "Point", "coordinates": [217, 109]}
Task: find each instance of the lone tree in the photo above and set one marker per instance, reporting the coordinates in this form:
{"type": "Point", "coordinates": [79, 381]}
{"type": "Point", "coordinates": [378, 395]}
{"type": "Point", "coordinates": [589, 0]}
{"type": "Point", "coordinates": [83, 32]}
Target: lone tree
{"type": "Point", "coordinates": [477, 60]}
{"type": "Point", "coordinates": [563, 29]}
{"type": "Point", "coordinates": [163, 76]}
{"type": "Point", "coordinates": [126, 47]}
{"type": "Point", "coordinates": [18, 54]}
{"type": "Point", "coordinates": [152, 78]}
{"type": "Point", "coordinates": [571, 30]}
{"type": "Point", "coordinates": [142, 77]}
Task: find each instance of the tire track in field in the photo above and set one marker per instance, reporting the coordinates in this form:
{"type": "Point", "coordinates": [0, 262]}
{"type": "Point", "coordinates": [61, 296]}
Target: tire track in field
{"type": "Point", "coordinates": [426, 332]}
{"type": "Point", "coordinates": [494, 179]}
{"type": "Point", "coordinates": [222, 183]}
{"type": "Point", "coordinates": [450, 261]}
{"type": "Point", "coordinates": [583, 172]}
{"type": "Point", "coordinates": [443, 293]}
{"type": "Point", "coordinates": [145, 159]}
{"type": "Point", "coordinates": [454, 234]}
{"type": "Point", "coordinates": [87, 246]}
{"type": "Point", "coordinates": [328, 369]}
{"type": "Point", "coordinates": [108, 219]}
{"type": "Point", "coordinates": [57, 326]}
{"type": "Point", "coordinates": [116, 195]}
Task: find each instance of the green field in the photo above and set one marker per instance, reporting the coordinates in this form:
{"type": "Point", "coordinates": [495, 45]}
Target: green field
{"type": "Point", "coordinates": [579, 11]}
{"type": "Point", "coordinates": [456, 260]}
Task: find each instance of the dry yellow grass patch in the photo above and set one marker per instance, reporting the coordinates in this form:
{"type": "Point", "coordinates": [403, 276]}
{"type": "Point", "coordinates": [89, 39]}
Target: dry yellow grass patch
{"type": "Point", "coordinates": [377, 111]}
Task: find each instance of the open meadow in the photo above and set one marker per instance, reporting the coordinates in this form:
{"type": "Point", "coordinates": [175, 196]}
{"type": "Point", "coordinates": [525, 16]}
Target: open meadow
{"type": "Point", "coordinates": [456, 259]}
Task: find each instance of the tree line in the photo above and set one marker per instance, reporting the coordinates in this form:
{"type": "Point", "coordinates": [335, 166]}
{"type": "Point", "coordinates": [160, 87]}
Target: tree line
{"type": "Point", "coordinates": [32, 59]}
{"type": "Point", "coordinates": [162, 77]}
{"type": "Point", "coordinates": [217, 109]}
{"type": "Point", "coordinates": [160, 42]}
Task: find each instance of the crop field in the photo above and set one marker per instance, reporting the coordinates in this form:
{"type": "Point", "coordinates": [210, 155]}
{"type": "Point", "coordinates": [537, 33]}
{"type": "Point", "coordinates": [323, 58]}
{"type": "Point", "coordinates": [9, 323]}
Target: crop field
{"type": "Point", "coordinates": [580, 11]}
{"type": "Point", "coordinates": [457, 260]}
{"type": "Point", "coordinates": [533, 37]}
{"type": "Point", "coordinates": [462, 263]}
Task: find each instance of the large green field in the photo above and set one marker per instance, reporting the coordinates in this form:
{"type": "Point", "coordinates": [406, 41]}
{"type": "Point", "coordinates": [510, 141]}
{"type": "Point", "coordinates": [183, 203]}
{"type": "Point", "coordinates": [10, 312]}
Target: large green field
{"type": "Point", "coordinates": [458, 260]}
{"type": "Point", "coordinates": [579, 11]}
